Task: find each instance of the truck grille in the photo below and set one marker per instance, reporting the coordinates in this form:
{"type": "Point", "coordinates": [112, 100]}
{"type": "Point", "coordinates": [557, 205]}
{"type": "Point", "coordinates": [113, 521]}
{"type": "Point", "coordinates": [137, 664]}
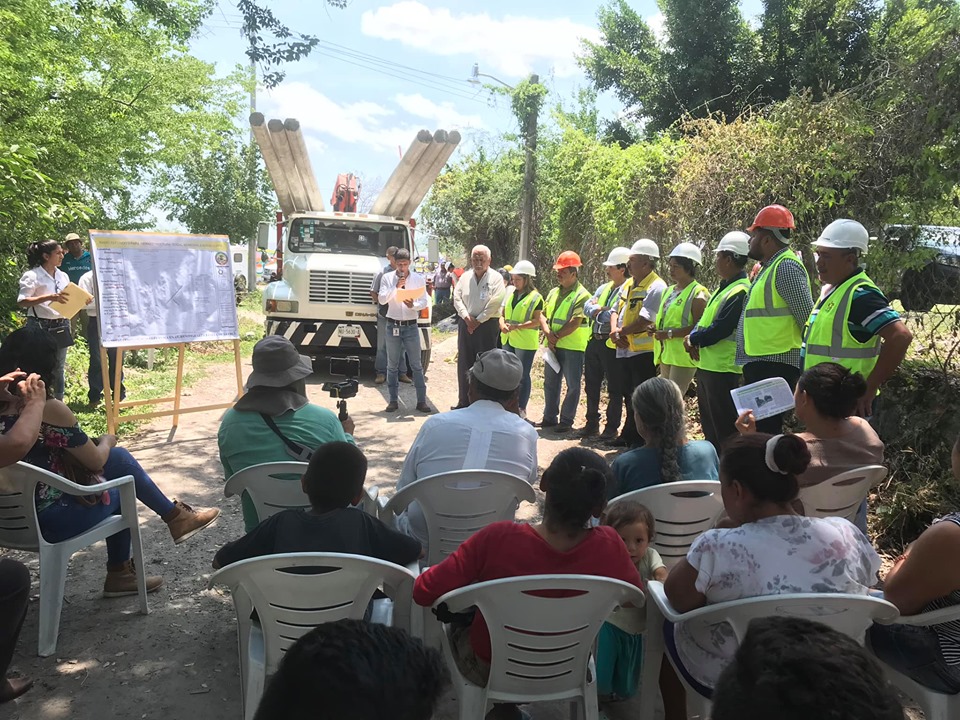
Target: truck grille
{"type": "Point", "coordinates": [340, 287]}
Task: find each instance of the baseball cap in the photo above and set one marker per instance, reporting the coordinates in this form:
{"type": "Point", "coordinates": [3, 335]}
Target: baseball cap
{"type": "Point", "coordinates": [499, 369]}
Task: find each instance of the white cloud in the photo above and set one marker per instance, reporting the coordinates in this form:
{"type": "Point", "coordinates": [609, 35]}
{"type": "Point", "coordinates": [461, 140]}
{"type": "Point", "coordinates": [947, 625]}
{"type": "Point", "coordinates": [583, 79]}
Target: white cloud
{"type": "Point", "coordinates": [656, 25]}
{"type": "Point", "coordinates": [443, 114]}
{"type": "Point", "coordinates": [513, 45]}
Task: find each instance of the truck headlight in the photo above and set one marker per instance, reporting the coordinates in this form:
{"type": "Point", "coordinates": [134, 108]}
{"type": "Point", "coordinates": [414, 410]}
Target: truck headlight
{"type": "Point", "coordinates": [284, 306]}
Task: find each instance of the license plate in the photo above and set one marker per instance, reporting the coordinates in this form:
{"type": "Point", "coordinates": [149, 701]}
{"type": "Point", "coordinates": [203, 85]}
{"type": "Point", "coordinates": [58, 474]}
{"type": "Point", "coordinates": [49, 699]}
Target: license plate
{"type": "Point", "coordinates": [348, 331]}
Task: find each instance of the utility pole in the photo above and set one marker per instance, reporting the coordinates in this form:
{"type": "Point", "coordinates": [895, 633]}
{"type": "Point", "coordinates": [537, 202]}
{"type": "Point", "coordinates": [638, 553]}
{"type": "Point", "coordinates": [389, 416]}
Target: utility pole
{"type": "Point", "coordinates": [252, 250]}
{"type": "Point", "coordinates": [529, 178]}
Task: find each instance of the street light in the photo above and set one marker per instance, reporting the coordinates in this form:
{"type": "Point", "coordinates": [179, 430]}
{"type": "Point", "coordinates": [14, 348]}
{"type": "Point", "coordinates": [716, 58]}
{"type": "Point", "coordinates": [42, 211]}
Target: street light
{"type": "Point", "coordinates": [529, 167]}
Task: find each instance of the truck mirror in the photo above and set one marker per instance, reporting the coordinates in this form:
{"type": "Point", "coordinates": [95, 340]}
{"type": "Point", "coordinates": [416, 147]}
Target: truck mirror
{"type": "Point", "coordinates": [263, 235]}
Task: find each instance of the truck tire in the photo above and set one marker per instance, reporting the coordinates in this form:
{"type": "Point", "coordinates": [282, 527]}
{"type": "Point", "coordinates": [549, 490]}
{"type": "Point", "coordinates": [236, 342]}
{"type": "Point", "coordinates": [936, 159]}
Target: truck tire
{"type": "Point", "coordinates": [425, 360]}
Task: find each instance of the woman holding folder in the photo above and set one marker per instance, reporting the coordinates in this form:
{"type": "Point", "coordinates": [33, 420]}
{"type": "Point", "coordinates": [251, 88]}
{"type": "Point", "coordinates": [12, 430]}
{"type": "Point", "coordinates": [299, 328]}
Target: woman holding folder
{"type": "Point", "coordinates": [41, 289]}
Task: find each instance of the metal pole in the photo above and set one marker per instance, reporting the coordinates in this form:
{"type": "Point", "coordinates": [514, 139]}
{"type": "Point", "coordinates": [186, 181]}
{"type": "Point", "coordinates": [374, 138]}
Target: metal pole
{"type": "Point", "coordinates": [252, 242]}
{"type": "Point", "coordinates": [529, 180]}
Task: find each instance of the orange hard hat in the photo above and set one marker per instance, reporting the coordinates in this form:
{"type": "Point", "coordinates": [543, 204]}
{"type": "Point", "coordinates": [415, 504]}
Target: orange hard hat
{"type": "Point", "coordinates": [773, 216]}
{"type": "Point", "coordinates": [567, 259]}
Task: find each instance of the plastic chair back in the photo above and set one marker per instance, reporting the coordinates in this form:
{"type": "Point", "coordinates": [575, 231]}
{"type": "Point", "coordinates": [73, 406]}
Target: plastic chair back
{"type": "Point", "coordinates": [273, 487]}
{"type": "Point", "coordinates": [458, 504]}
{"type": "Point", "coordinates": [842, 495]}
{"type": "Point", "coordinates": [682, 511]}
{"type": "Point", "coordinates": [18, 518]}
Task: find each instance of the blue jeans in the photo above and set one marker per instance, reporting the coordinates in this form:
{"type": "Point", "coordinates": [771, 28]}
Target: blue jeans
{"type": "Point", "coordinates": [571, 370]}
{"type": "Point", "coordinates": [95, 368]}
{"type": "Point", "coordinates": [915, 652]}
{"type": "Point", "coordinates": [441, 295]}
{"type": "Point", "coordinates": [407, 340]}
{"type": "Point", "coordinates": [526, 359]}
{"type": "Point", "coordinates": [380, 364]}
{"type": "Point", "coordinates": [67, 518]}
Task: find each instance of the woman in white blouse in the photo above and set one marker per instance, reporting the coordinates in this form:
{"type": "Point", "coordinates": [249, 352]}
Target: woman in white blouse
{"type": "Point", "coordinates": [41, 287]}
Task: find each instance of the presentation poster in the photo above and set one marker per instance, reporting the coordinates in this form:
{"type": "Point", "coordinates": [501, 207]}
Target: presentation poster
{"type": "Point", "coordinates": [154, 288]}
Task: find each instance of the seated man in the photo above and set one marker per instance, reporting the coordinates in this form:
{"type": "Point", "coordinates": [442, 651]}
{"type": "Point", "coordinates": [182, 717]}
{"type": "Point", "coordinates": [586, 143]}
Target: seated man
{"type": "Point", "coordinates": [366, 672]}
{"type": "Point", "coordinates": [488, 434]}
{"type": "Point", "coordinates": [333, 482]}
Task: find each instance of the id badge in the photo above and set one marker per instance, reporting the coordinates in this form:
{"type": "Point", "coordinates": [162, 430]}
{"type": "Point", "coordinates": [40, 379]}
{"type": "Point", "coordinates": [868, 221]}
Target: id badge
{"type": "Point", "coordinates": [396, 332]}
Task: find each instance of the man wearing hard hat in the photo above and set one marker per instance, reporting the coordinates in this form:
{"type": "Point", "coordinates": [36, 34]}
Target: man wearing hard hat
{"type": "Point", "coordinates": [629, 325]}
{"type": "Point", "coordinates": [567, 332]}
{"type": "Point", "coordinates": [778, 304]}
{"type": "Point", "coordinates": [714, 342]}
{"type": "Point", "coordinates": [853, 324]}
{"type": "Point", "coordinates": [600, 359]}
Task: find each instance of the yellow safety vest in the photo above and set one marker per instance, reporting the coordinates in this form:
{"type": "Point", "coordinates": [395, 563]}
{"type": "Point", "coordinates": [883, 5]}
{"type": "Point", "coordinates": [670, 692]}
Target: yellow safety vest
{"type": "Point", "coordinates": [560, 314]}
{"type": "Point", "coordinates": [679, 314]}
{"type": "Point", "coordinates": [827, 337]}
{"type": "Point", "coordinates": [602, 302]}
{"type": "Point", "coordinates": [769, 327]}
{"type": "Point", "coordinates": [521, 312]}
{"type": "Point", "coordinates": [721, 357]}
{"type": "Point", "coordinates": [631, 303]}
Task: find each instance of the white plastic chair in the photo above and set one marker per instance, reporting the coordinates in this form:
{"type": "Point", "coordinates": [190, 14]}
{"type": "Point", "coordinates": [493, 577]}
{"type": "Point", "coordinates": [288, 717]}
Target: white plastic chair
{"type": "Point", "coordinates": [935, 705]}
{"type": "Point", "coordinates": [20, 530]}
{"type": "Point", "coordinates": [541, 646]}
{"type": "Point", "coordinates": [290, 604]}
{"type": "Point", "coordinates": [457, 504]}
{"type": "Point", "coordinates": [682, 511]}
{"type": "Point", "coordinates": [842, 495]}
{"type": "Point", "coordinates": [849, 614]}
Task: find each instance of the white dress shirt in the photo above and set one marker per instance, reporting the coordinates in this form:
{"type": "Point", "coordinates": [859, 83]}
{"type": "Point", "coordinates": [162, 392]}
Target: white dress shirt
{"type": "Point", "coordinates": [38, 281]}
{"type": "Point", "coordinates": [482, 436]}
{"type": "Point", "coordinates": [397, 310]}
{"type": "Point", "coordinates": [86, 283]}
{"type": "Point", "coordinates": [481, 298]}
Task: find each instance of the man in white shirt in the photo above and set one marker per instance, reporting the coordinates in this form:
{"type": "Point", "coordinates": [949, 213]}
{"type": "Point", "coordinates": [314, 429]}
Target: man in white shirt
{"type": "Point", "coordinates": [403, 336]}
{"type": "Point", "coordinates": [487, 435]}
{"type": "Point", "coordinates": [476, 298]}
{"type": "Point", "coordinates": [95, 367]}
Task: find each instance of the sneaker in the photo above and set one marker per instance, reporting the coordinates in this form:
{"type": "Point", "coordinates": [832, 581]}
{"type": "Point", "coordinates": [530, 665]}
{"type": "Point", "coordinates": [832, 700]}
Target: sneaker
{"type": "Point", "coordinates": [609, 434]}
{"type": "Point", "coordinates": [562, 428]}
{"type": "Point", "coordinates": [424, 408]}
{"type": "Point", "coordinates": [124, 582]}
{"type": "Point", "coordinates": [392, 406]}
{"type": "Point", "coordinates": [588, 430]}
{"type": "Point", "coordinates": [380, 379]}
{"type": "Point", "coordinates": [546, 424]}
{"type": "Point", "coordinates": [405, 379]}
{"type": "Point", "coordinates": [185, 522]}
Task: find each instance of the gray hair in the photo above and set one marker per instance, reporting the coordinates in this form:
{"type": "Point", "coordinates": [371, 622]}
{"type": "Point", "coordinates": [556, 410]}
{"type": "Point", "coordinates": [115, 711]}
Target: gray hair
{"type": "Point", "coordinates": [658, 404]}
{"type": "Point", "coordinates": [481, 249]}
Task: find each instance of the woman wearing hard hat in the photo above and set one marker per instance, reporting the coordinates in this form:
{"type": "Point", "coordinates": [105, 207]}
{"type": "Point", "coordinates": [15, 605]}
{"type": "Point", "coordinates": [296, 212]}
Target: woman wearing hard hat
{"type": "Point", "coordinates": [681, 308]}
{"type": "Point", "coordinates": [520, 323]}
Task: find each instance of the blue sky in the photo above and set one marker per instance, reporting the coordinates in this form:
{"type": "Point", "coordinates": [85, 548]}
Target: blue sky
{"type": "Point", "coordinates": [356, 112]}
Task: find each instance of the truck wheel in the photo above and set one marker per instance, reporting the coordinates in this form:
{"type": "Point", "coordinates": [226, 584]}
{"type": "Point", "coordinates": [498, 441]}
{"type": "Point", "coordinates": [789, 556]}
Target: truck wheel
{"type": "Point", "coordinates": [914, 296]}
{"type": "Point", "coordinates": [425, 360]}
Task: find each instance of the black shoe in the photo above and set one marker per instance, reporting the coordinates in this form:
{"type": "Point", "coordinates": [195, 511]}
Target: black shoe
{"type": "Point", "coordinates": [457, 407]}
{"type": "Point", "coordinates": [546, 424]}
{"type": "Point", "coordinates": [608, 434]}
{"type": "Point", "coordinates": [392, 406]}
{"type": "Point", "coordinates": [424, 408]}
{"type": "Point", "coordinates": [561, 429]}
{"type": "Point", "coordinates": [588, 430]}
{"type": "Point", "coordinates": [617, 442]}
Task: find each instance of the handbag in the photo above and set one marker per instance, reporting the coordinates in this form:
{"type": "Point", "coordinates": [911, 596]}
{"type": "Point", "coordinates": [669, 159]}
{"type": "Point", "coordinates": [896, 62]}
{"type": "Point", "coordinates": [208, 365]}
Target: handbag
{"type": "Point", "coordinates": [61, 335]}
{"type": "Point", "coordinates": [79, 474]}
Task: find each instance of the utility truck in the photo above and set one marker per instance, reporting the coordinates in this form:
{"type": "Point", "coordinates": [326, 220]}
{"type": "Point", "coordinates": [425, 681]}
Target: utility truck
{"type": "Point", "coordinates": [327, 260]}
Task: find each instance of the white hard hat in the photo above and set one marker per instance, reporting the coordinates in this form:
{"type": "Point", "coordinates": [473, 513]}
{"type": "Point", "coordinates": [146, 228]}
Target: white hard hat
{"type": "Point", "coordinates": [735, 241]}
{"type": "Point", "coordinates": [689, 251]}
{"type": "Point", "coordinates": [645, 247]}
{"type": "Point", "coordinates": [618, 256]}
{"type": "Point", "coordinates": [524, 267]}
{"type": "Point", "coordinates": [844, 234]}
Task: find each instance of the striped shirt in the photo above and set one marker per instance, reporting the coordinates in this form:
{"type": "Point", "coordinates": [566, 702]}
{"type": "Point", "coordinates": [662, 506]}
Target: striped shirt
{"type": "Point", "coordinates": [949, 632]}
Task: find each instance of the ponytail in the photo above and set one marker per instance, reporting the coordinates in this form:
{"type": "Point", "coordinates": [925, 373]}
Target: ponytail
{"type": "Point", "coordinates": [766, 465]}
{"type": "Point", "coordinates": [36, 251]}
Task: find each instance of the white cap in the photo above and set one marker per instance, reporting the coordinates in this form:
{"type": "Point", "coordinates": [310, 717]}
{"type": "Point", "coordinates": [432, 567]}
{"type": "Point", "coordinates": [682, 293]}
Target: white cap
{"type": "Point", "coordinates": [735, 241]}
{"type": "Point", "coordinates": [617, 256]}
{"type": "Point", "coordinates": [845, 235]}
{"type": "Point", "coordinates": [524, 267]}
{"type": "Point", "coordinates": [645, 247]}
{"type": "Point", "coordinates": [689, 251]}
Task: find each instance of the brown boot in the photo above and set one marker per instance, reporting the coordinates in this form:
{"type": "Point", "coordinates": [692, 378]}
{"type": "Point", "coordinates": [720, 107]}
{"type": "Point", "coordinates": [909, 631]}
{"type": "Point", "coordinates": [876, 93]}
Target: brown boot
{"type": "Point", "coordinates": [185, 522]}
{"type": "Point", "coordinates": [123, 581]}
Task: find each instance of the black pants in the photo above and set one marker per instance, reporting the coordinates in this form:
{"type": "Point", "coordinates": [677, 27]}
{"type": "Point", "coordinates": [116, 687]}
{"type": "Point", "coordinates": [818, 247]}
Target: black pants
{"type": "Point", "coordinates": [468, 347]}
{"type": "Point", "coordinates": [635, 370]}
{"type": "Point", "coordinates": [764, 370]}
{"type": "Point", "coordinates": [14, 595]}
{"type": "Point", "coordinates": [718, 414]}
{"type": "Point", "coordinates": [601, 361]}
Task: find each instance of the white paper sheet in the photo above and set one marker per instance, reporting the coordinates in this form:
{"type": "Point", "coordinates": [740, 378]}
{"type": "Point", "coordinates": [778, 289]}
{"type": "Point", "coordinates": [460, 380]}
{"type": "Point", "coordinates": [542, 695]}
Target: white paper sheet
{"type": "Point", "coordinates": [550, 358]}
{"type": "Point", "coordinates": [765, 398]}
{"type": "Point", "coordinates": [403, 294]}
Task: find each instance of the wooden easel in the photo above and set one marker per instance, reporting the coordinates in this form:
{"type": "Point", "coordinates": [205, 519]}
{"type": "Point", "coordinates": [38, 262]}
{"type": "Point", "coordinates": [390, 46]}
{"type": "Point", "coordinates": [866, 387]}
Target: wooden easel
{"type": "Point", "coordinates": [114, 405]}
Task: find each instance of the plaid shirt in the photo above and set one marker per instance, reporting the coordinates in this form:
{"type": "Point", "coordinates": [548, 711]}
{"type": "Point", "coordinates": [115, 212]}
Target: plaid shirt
{"type": "Point", "coordinates": [794, 287]}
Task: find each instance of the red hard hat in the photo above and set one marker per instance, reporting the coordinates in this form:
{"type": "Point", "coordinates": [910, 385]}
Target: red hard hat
{"type": "Point", "coordinates": [773, 216]}
{"type": "Point", "coordinates": [567, 259]}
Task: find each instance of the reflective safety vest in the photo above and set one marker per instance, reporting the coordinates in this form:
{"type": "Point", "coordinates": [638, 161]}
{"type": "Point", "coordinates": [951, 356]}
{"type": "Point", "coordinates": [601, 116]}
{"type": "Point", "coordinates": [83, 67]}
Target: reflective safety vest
{"type": "Point", "coordinates": [521, 312]}
{"type": "Point", "coordinates": [827, 337]}
{"type": "Point", "coordinates": [603, 300]}
{"type": "Point", "coordinates": [678, 314]}
{"type": "Point", "coordinates": [559, 314]}
{"type": "Point", "coordinates": [769, 327]}
{"type": "Point", "coordinates": [721, 357]}
{"type": "Point", "coordinates": [629, 307]}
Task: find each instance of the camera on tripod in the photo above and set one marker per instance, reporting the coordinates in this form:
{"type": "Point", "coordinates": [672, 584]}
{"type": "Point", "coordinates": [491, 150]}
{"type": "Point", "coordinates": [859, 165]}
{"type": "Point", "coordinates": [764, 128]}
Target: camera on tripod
{"type": "Point", "coordinates": [348, 367]}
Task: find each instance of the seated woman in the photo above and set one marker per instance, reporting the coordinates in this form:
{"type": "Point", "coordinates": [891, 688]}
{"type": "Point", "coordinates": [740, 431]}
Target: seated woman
{"type": "Point", "coordinates": [277, 394]}
{"type": "Point", "coordinates": [63, 446]}
{"type": "Point", "coordinates": [667, 456]}
{"type": "Point", "coordinates": [566, 542]}
{"type": "Point", "coordinates": [771, 551]}
{"type": "Point", "coordinates": [925, 578]}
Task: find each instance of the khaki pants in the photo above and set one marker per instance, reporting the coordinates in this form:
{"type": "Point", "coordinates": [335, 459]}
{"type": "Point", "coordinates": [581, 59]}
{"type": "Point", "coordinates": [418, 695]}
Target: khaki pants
{"type": "Point", "coordinates": [682, 376]}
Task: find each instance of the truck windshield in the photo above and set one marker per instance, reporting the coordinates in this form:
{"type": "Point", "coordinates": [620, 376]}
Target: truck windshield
{"type": "Point", "coordinates": [315, 235]}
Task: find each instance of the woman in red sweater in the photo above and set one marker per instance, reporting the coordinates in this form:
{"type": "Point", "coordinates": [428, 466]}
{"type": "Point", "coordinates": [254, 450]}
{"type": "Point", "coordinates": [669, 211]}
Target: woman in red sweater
{"type": "Point", "coordinates": [565, 543]}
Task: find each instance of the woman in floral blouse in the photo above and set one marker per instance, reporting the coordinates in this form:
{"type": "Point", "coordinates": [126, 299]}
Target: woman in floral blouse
{"type": "Point", "coordinates": [771, 551]}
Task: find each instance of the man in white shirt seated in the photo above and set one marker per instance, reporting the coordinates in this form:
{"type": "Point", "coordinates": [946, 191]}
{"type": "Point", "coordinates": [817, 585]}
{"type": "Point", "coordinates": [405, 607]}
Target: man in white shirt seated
{"type": "Point", "coordinates": [487, 435]}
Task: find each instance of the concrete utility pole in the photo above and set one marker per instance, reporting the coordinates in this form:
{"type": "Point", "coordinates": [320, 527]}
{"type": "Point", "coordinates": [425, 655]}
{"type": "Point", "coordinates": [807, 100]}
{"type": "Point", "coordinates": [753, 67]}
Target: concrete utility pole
{"type": "Point", "coordinates": [253, 252]}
